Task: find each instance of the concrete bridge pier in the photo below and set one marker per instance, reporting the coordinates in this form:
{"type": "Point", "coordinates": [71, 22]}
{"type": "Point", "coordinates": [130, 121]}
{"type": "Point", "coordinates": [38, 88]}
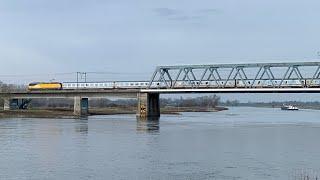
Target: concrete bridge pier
{"type": "Point", "coordinates": [148, 105]}
{"type": "Point", "coordinates": [6, 104]}
{"type": "Point", "coordinates": [10, 104]}
{"type": "Point", "coordinates": [81, 106]}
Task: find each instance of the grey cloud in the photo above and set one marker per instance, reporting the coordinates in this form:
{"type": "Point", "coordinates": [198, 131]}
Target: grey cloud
{"type": "Point", "coordinates": [185, 18]}
{"type": "Point", "coordinates": [166, 11]}
{"type": "Point", "coordinates": [209, 11]}
{"type": "Point", "coordinates": [176, 15]}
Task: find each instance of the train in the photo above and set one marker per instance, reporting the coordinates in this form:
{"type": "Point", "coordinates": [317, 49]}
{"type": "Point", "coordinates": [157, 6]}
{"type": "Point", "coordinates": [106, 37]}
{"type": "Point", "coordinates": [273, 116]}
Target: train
{"type": "Point", "coordinates": [292, 83]}
{"type": "Point", "coordinates": [45, 86]}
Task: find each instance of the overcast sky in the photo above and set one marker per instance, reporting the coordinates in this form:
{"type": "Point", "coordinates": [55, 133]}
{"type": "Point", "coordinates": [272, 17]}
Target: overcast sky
{"type": "Point", "coordinates": [134, 36]}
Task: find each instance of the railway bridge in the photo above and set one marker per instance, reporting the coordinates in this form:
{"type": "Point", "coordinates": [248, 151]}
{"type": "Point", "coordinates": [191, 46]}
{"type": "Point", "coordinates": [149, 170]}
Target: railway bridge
{"type": "Point", "coordinates": [298, 77]}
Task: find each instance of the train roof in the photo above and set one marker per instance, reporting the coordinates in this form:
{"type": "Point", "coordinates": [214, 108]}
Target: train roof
{"type": "Point", "coordinates": [33, 83]}
{"type": "Point", "coordinates": [107, 82]}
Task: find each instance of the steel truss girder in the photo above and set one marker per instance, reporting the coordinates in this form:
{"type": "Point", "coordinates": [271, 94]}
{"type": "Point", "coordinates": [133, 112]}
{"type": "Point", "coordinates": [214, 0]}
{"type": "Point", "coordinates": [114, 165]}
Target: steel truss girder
{"type": "Point", "coordinates": [235, 73]}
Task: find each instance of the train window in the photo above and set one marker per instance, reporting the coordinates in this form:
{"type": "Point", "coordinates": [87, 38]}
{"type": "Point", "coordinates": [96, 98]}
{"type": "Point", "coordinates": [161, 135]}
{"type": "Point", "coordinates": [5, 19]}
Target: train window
{"type": "Point", "coordinates": [158, 84]}
{"type": "Point", "coordinates": [96, 84]}
{"type": "Point", "coordinates": [258, 82]}
{"type": "Point", "coordinates": [248, 82]}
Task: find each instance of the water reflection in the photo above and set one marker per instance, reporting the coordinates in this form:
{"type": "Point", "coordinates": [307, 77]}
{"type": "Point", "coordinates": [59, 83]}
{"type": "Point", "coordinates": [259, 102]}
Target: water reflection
{"type": "Point", "coordinates": [148, 125]}
{"type": "Point", "coordinates": [242, 143]}
{"type": "Point", "coordinates": [81, 125]}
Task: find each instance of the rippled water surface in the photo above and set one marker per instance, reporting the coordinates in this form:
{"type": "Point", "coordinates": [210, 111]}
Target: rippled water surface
{"type": "Point", "coordinates": [242, 143]}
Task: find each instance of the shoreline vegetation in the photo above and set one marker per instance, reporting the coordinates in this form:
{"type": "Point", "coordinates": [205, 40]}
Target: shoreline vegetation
{"type": "Point", "coordinates": [58, 108]}
{"type": "Point", "coordinates": [315, 105]}
{"type": "Point", "coordinates": [68, 113]}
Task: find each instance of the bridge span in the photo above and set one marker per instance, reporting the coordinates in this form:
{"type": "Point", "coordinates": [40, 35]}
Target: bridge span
{"type": "Point", "coordinates": [232, 90]}
{"type": "Point", "coordinates": [300, 77]}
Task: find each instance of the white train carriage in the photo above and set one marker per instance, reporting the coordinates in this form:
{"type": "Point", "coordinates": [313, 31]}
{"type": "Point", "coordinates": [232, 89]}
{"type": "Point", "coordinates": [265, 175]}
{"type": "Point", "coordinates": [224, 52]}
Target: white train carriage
{"type": "Point", "coordinates": [228, 84]}
{"type": "Point", "coordinates": [270, 83]}
{"type": "Point", "coordinates": [130, 84]}
{"type": "Point", "coordinates": [205, 84]}
{"type": "Point", "coordinates": [293, 83]}
{"type": "Point", "coordinates": [106, 85]}
{"type": "Point", "coordinates": [220, 83]}
{"type": "Point", "coordinates": [313, 83]}
{"type": "Point", "coordinates": [88, 85]}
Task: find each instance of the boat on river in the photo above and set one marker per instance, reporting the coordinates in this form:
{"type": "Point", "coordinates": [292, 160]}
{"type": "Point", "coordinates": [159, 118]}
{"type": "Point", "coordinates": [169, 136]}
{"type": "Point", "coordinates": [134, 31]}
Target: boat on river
{"type": "Point", "coordinates": [289, 107]}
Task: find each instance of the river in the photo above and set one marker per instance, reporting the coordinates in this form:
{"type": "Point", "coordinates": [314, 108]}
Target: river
{"type": "Point", "coordinates": [241, 143]}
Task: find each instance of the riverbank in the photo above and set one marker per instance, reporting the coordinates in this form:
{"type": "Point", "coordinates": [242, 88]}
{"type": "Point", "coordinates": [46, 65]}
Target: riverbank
{"type": "Point", "coordinates": [279, 106]}
{"type": "Point", "coordinates": [68, 113]}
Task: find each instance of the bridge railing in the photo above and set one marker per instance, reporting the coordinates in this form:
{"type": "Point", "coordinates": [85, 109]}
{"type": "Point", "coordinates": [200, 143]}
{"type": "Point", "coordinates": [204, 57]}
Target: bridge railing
{"type": "Point", "coordinates": [271, 75]}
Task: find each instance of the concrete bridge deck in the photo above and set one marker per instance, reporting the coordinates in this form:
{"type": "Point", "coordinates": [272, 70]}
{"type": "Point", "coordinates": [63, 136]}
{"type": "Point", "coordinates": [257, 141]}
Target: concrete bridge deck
{"type": "Point", "coordinates": [132, 93]}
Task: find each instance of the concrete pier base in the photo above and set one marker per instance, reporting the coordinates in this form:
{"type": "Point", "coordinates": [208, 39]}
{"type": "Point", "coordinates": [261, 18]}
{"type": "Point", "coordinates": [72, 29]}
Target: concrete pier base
{"type": "Point", "coordinates": [6, 104]}
{"type": "Point", "coordinates": [81, 106]}
{"type": "Point", "coordinates": [148, 105]}
{"type": "Point", "coordinates": [10, 104]}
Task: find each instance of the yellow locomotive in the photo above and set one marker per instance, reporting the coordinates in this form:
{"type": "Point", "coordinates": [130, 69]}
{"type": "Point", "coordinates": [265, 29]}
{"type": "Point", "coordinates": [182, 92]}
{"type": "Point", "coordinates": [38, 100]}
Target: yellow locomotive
{"type": "Point", "coordinates": [45, 86]}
